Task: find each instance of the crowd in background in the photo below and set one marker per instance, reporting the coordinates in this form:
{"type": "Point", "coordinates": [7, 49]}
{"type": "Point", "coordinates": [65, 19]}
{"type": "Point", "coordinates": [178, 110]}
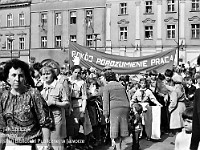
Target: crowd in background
{"type": "Point", "coordinates": [82, 108]}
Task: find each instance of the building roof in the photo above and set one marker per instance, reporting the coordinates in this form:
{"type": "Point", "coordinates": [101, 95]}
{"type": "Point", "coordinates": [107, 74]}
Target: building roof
{"type": "Point", "coordinates": [10, 3]}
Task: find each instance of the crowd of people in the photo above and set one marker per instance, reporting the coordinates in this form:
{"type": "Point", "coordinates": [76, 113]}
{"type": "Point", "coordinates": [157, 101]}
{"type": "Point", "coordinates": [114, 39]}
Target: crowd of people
{"type": "Point", "coordinates": [48, 106]}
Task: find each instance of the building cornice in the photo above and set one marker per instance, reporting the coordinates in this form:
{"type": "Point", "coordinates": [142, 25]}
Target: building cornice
{"type": "Point", "coordinates": [171, 19]}
{"type": "Point", "coordinates": [22, 34]}
{"type": "Point", "coordinates": [194, 18]}
{"type": "Point", "coordinates": [9, 34]}
{"type": "Point", "coordinates": [149, 20]}
{"type": "Point", "coordinates": [123, 21]}
{"type": "Point", "coordinates": [14, 4]}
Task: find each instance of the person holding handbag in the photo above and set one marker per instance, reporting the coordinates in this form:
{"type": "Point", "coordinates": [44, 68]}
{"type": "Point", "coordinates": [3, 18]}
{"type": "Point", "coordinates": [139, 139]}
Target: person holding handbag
{"type": "Point", "coordinates": [116, 109]}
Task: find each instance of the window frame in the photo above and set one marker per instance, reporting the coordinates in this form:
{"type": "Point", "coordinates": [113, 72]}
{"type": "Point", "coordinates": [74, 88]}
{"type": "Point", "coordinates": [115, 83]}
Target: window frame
{"type": "Point", "coordinates": [195, 31]}
{"type": "Point", "coordinates": [89, 40]}
{"type": "Point", "coordinates": [170, 5]}
{"type": "Point", "coordinates": [73, 38]}
{"type": "Point", "coordinates": [123, 34]}
{"type": "Point", "coordinates": [22, 43]}
{"type": "Point", "coordinates": [9, 20]}
{"type": "Point", "coordinates": [21, 19]}
{"type": "Point", "coordinates": [173, 31]}
{"type": "Point", "coordinates": [123, 8]}
{"type": "Point", "coordinates": [58, 42]}
{"type": "Point", "coordinates": [150, 7]}
{"type": "Point", "coordinates": [195, 5]}
{"type": "Point", "coordinates": [43, 18]}
{"type": "Point", "coordinates": [58, 18]}
{"type": "Point", "coordinates": [149, 31]}
{"type": "Point", "coordinates": [10, 43]}
{"type": "Point", "coordinates": [43, 42]}
{"type": "Point", "coordinates": [73, 17]}
{"type": "Point", "coordinates": [89, 18]}
{"type": "Point", "coordinates": [89, 14]}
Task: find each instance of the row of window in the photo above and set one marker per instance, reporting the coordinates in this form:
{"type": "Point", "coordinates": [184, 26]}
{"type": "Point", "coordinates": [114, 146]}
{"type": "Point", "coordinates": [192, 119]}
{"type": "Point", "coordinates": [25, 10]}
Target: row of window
{"type": "Point", "coordinates": [58, 41]}
{"type": "Point", "coordinates": [123, 35]}
{"type": "Point", "coordinates": [73, 15]}
{"type": "Point", "coordinates": [58, 18]}
{"type": "Point", "coordinates": [21, 21]}
{"type": "Point", "coordinates": [171, 32]}
{"type": "Point", "coordinates": [89, 13]}
{"type": "Point", "coordinates": [195, 6]}
{"type": "Point", "coordinates": [10, 43]}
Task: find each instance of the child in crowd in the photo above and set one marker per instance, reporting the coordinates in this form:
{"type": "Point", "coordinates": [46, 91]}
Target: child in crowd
{"type": "Point", "coordinates": [136, 124]}
{"type": "Point", "coordinates": [145, 97]}
{"type": "Point", "coordinates": [189, 91]}
{"type": "Point", "coordinates": [95, 109]}
{"type": "Point", "coordinates": [182, 141]}
{"type": "Point", "coordinates": [132, 88]}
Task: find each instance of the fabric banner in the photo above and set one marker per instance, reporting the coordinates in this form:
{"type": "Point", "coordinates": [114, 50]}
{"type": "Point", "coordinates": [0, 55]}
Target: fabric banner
{"type": "Point", "coordinates": [121, 64]}
{"type": "Point", "coordinates": [152, 119]}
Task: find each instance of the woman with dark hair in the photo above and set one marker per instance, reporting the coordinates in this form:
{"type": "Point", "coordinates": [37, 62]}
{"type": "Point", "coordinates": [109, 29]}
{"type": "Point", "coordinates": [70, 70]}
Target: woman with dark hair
{"type": "Point", "coordinates": [24, 115]}
{"type": "Point", "coordinates": [36, 75]}
{"type": "Point", "coordinates": [116, 107]}
{"type": "Point", "coordinates": [168, 77]}
{"type": "Point", "coordinates": [79, 121]}
{"type": "Point", "coordinates": [15, 63]}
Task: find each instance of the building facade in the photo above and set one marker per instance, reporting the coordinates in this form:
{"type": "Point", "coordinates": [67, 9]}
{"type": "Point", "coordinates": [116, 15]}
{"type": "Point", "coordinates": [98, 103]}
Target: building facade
{"type": "Point", "coordinates": [56, 22]}
{"type": "Point", "coordinates": [42, 29]}
{"type": "Point", "coordinates": [143, 27]}
{"type": "Point", "coordinates": [14, 29]}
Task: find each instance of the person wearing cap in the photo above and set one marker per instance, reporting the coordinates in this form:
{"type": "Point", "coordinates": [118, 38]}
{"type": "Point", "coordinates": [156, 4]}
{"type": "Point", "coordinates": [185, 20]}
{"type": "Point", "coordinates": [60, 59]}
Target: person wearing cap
{"type": "Point", "coordinates": [176, 106]}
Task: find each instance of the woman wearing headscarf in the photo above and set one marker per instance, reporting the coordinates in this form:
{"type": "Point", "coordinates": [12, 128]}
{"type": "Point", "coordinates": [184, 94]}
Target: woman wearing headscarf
{"type": "Point", "coordinates": [177, 104]}
{"type": "Point", "coordinates": [116, 108]}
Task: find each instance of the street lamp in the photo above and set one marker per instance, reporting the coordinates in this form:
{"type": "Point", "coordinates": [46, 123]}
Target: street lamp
{"type": "Point", "coordinates": [0, 39]}
{"type": "Point", "coordinates": [178, 36]}
{"type": "Point", "coordinates": [10, 40]}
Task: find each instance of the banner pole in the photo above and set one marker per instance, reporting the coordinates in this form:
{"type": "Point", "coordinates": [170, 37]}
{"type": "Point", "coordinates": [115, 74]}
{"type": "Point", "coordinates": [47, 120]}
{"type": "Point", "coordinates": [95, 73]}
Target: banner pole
{"type": "Point", "coordinates": [178, 50]}
{"type": "Point", "coordinates": [69, 55]}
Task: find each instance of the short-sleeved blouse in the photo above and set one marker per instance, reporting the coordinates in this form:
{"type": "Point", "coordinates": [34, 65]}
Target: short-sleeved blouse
{"type": "Point", "coordinates": [23, 116]}
{"type": "Point", "coordinates": [78, 91]}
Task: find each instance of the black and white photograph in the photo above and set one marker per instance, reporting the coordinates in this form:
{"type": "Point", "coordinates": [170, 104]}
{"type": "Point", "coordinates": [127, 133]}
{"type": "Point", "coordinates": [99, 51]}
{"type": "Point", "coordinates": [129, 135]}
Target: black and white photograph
{"type": "Point", "coordinates": [99, 74]}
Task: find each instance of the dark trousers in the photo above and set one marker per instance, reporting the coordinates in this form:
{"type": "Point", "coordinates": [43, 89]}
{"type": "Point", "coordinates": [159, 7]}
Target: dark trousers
{"type": "Point", "coordinates": [135, 138]}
